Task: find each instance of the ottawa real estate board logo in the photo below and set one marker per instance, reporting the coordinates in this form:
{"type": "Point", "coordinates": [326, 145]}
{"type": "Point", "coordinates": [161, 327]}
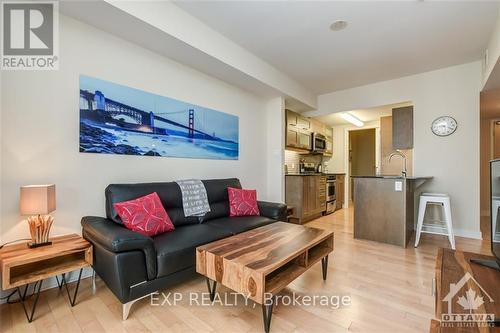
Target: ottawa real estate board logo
{"type": "Point", "coordinates": [471, 299]}
{"type": "Point", "coordinates": [30, 37]}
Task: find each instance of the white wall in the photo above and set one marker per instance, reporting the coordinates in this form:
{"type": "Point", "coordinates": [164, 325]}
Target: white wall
{"type": "Point", "coordinates": [40, 128]}
{"type": "Point", "coordinates": [493, 50]}
{"type": "Point", "coordinates": [453, 160]}
{"type": "Point", "coordinates": [275, 144]}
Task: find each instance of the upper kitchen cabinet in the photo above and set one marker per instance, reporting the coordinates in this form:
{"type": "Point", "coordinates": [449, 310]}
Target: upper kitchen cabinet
{"type": "Point", "coordinates": [291, 118]}
{"type": "Point", "coordinates": [298, 135]}
{"type": "Point", "coordinates": [318, 127]}
{"type": "Point", "coordinates": [329, 141]}
{"type": "Point", "coordinates": [304, 141]}
{"type": "Point", "coordinates": [402, 128]}
{"type": "Point", "coordinates": [303, 123]}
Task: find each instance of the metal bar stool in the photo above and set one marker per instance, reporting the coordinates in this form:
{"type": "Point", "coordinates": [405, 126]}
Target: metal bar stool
{"type": "Point", "coordinates": [435, 199]}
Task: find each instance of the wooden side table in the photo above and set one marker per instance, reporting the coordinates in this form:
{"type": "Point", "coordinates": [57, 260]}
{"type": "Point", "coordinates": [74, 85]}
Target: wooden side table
{"type": "Point", "coordinates": [21, 266]}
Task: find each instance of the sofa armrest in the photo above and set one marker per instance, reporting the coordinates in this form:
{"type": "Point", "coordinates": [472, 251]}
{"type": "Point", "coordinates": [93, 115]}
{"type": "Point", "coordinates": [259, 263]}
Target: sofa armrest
{"type": "Point", "coordinates": [116, 238]}
{"type": "Point", "coordinates": [273, 210]}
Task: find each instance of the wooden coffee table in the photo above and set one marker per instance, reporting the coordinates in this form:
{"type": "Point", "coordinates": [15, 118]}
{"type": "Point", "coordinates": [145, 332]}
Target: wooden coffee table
{"type": "Point", "coordinates": [261, 262]}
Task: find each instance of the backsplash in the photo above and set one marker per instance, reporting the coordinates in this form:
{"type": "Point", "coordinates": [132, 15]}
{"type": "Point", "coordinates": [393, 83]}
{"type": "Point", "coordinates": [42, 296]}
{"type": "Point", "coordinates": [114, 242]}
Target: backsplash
{"type": "Point", "coordinates": [292, 160]}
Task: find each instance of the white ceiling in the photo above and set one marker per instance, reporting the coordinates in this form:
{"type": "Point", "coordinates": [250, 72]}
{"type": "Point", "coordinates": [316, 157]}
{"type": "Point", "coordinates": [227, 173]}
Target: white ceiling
{"type": "Point", "coordinates": [365, 115]}
{"type": "Point", "coordinates": [384, 40]}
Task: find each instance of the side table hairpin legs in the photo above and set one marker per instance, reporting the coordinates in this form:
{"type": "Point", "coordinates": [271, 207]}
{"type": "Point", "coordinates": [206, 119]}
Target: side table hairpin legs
{"type": "Point", "coordinates": [22, 299]}
{"type": "Point", "coordinates": [36, 292]}
{"type": "Point", "coordinates": [60, 284]}
{"type": "Point", "coordinates": [72, 301]}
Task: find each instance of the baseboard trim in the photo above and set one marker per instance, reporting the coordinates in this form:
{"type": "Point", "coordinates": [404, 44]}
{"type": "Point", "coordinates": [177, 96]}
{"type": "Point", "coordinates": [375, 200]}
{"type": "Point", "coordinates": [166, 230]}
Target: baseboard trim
{"type": "Point", "coordinates": [468, 234]}
{"type": "Point", "coordinates": [52, 283]}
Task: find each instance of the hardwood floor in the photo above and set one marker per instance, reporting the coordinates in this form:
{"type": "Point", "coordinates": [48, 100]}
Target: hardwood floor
{"type": "Point", "coordinates": [390, 290]}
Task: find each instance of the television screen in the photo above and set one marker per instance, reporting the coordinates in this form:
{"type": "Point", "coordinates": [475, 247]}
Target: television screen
{"type": "Point", "coordinates": [495, 207]}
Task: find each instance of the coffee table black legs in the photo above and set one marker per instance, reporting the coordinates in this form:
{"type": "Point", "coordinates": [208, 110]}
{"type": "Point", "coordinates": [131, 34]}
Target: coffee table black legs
{"type": "Point", "coordinates": [22, 299]}
{"type": "Point", "coordinates": [267, 308]}
{"type": "Point", "coordinates": [324, 266]}
{"type": "Point", "coordinates": [212, 285]}
{"type": "Point", "coordinates": [267, 313]}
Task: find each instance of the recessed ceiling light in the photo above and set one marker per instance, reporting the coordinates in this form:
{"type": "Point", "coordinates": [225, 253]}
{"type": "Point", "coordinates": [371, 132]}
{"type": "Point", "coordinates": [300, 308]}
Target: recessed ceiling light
{"type": "Point", "coordinates": [338, 25]}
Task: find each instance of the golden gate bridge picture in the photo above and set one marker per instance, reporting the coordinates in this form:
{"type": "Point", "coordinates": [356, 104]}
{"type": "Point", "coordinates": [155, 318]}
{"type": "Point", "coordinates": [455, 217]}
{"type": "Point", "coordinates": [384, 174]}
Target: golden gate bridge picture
{"type": "Point", "coordinates": [116, 119]}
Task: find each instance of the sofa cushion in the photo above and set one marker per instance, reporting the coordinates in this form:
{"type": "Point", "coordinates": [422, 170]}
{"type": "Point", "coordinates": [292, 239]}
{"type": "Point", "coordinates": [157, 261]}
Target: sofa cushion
{"type": "Point", "coordinates": [218, 197]}
{"type": "Point", "coordinates": [176, 250]}
{"type": "Point", "coordinates": [242, 202]}
{"type": "Point", "coordinates": [171, 198]}
{"type": "Point", "coordinates": [144, 215]}
{"type": "Point", "coordinates": [239, 224]}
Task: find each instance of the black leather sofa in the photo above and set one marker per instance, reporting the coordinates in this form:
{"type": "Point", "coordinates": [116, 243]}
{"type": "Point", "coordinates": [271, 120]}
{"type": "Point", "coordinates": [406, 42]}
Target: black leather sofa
{"type": "Point", "coordinates": [134, 266]}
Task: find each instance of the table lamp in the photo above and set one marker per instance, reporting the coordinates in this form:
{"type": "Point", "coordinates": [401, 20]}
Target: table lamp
{"type": "Point", "coordinates": [38, 201]}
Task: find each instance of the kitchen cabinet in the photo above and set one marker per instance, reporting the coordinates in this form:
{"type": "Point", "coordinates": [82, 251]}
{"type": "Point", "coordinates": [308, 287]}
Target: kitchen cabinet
{"type": "Point", "coordinates": [402, 128]}
{"type": "Point", "coordinates": [298, 134]}
{"type": "Point", "coordinates": [303, 123]}
{"type": "Point", "coordinates": [329, 148]}
{"type": "Point", "coordinates": [305, 141]}
{"type": "Point", "coordinates": [321, 194]}
{"type": "Point", "coordinates": [318, 127]}
{"type": "Point", "coordinates": [307, 195]}
{"type": "Point", "coordinates": [291, 118]}
{"type": "Point", "coordinates": [329, 142]}
{"type": "Point", "coordinates": [392, 167]}
{"type": "Point", "coordinates": [292, 138]}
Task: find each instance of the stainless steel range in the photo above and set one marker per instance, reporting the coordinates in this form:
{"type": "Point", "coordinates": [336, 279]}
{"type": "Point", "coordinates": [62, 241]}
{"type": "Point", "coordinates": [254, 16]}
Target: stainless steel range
{"type": "Point", "coordinates": [331, 199]}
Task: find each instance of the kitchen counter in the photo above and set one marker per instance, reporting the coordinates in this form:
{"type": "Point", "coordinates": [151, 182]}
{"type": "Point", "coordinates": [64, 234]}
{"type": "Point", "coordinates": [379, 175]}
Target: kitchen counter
{"type": "Point", "coordinates": [314, 174]}
{"type": "Point", "coordinates": [394, 177]}
{"type": "Point", "coordinates": [384, 207]}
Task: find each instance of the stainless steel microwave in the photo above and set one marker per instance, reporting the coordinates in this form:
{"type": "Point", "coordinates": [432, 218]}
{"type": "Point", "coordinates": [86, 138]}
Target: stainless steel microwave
{"type": "Point", "coordinates": [318, 143]}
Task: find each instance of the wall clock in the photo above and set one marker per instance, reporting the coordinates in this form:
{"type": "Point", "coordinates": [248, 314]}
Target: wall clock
{"type": "Point", "coordinates": [444, 126]}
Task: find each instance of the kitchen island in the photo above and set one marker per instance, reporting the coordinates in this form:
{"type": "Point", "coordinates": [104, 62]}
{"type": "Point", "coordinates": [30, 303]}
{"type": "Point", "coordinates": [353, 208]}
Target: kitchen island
{"type": "Point", "coordinates": [384, 208]}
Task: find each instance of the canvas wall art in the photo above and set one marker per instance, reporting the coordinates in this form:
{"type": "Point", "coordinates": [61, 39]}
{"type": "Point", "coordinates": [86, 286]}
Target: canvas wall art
{"type": "Point", "coordinates": [116, 119]}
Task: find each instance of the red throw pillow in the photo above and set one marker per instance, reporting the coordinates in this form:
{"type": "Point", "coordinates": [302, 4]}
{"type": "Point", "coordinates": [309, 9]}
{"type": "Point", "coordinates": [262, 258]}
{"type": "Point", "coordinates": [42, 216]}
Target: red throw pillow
{"type": "Point", "coordinates": [242, 202]}
{"type": "Point", "coordinates": [145, 215]}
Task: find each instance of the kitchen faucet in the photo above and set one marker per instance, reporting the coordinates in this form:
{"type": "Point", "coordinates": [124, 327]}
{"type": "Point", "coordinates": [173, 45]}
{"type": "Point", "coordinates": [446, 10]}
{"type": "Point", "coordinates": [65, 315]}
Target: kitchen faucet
{"type": "Point", "coordinates": [403, 156]}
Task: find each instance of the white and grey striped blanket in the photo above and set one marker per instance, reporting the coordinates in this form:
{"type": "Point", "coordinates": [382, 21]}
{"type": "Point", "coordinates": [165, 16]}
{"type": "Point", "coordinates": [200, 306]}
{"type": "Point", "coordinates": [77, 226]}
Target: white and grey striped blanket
{"type": "Point", "coordinates": [194, 197]}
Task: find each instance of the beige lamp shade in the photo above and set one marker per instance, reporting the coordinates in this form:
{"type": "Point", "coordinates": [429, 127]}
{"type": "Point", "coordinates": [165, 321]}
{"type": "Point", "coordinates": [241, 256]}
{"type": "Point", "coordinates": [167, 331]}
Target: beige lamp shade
{"type": "Point", "coordinates": [37, 199]}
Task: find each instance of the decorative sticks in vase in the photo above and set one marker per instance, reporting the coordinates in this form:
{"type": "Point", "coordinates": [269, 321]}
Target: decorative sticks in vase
{"type": "Point", "coordinates": [40, 228]}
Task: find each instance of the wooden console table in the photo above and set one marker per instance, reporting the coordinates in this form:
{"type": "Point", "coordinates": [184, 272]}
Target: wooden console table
{"type": "Point", "coordinates": [21, 265]}
{"type": "Point", "coordinates": [455, 275]}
